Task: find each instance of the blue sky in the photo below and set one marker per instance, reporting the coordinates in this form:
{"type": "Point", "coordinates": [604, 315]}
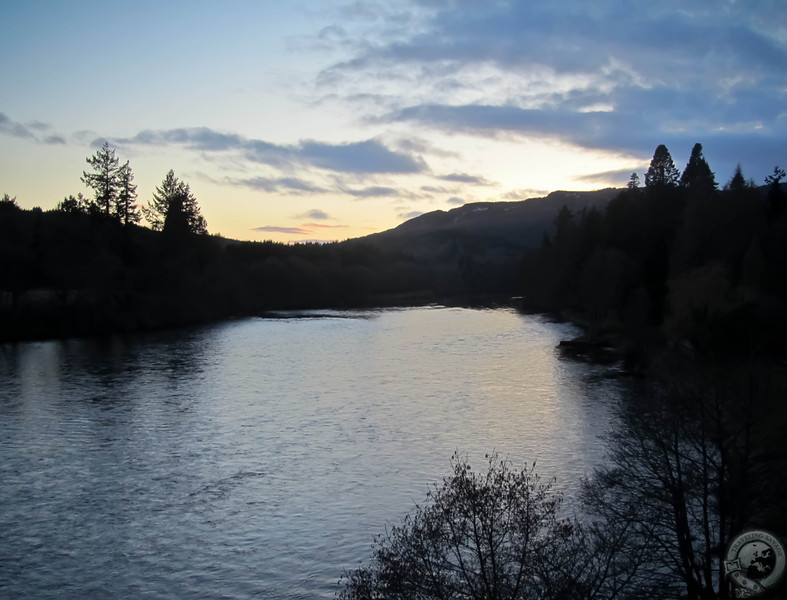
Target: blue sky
{"type": "Point", "coordinates": [319, 120]}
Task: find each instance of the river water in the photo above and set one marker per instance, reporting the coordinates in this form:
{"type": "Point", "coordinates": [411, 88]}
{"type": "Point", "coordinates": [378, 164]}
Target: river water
{"type": "Point", "coordinates": [258, 458]}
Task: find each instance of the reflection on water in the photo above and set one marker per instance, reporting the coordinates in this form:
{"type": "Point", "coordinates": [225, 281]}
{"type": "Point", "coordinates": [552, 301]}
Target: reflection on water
{"type": "Point", "coordinates": [257, 458]}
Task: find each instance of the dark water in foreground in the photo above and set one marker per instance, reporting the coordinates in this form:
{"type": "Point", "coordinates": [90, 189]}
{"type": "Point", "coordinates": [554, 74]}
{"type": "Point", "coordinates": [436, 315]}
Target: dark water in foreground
{"type": "Point", "coordinates": [257, 458]}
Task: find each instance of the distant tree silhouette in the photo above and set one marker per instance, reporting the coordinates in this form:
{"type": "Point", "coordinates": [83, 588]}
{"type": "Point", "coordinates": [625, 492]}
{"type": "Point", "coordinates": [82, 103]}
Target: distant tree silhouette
{"type": "Point", "coordinates": [738, 182]}
{"type": "Point", "coordinates": [633, 183]}
{"type": "Point", "coordinates": [662, 171]}
{"type": "Point", "coordinates": [697, 174]}
{"type": "Point", "coordinates": [775, 193]}
{"type": "Point", "coordinates": [125, 209]}
{"type": "Point", "coordinates": [7, 202]}
{"type": "Point", "coordinates": [103, 179]}
{"type": "Point", "coordinates": [74, 204]}
{"type": "Point", "coordinates": [174, 208]}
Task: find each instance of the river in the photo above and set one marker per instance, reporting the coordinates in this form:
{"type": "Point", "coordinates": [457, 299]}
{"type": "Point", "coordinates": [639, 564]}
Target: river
{"type": "Point", "coordinates": [257, 458]}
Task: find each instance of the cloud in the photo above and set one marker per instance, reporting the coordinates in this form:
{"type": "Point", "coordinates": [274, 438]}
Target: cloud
{"type": "Point", "coordinates": [524, 194]}
{"type": "Point", "coordinates": [617, 178]}
{"type": "Point", "coordinates": [9, 127]}
{"type": "Point", "coordinates": [410, 215]}
{"type": "Point", "coordinates": [279, 229]}
{"type": "Point", "coordinates": [365, 157]}
{"type": "Point", "coordinates": [455, 201]}
{"type": "Point", "coordinates": [373, 192]}
{"type": "Point", "coordinates": [323, 226]}
{"type": "Point", "coordinates": [315, 213]}
{"type": "Point", "coordinates": [596, 75]}
{"type": "Point", "coordinates": [289, 185]}
{"type": "Point", "coordinates": [465, 178]}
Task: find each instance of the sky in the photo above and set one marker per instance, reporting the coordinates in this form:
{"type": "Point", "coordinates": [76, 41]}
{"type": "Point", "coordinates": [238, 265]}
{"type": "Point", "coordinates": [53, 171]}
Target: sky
{"type": "Point", "coordinates": [319, 120]}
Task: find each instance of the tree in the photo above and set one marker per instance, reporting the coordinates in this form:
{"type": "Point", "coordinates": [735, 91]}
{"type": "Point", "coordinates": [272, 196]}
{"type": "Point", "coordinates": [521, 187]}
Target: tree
{"type": "Point", "coordinates": [103, 179]}
{"type": "Point", "coordinates": [633, 183]}
{"type": "Point", "coordinates": [125, 209]}
{"type": "Point", "coordinates": [74, 205]}
{"type": "Point", "coordinates": [738, 182]}
{"type": "Point", "coordinates": [697, 174]}
{"type": "Point", "coordinates": [775, 192]}
{"type": "Point", "coordinates": [174, 208]}
{"type": "Point", "coordinates": [662, 171]}
{"type": "Point", "coordinates": [682, 475]}
{"type": "Point", "coordinates": [495, 535]}
{"type": "Point", "coordinates": [8, 203]}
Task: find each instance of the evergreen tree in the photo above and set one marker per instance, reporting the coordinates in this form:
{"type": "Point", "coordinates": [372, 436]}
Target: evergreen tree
{"type": "Point", "coordinates": [633, 183]}
{"type": "Point", "coordinates": [662, 171]}
{"type": "Point", "coordinates": [738, 182]}
{"type": "Point", "coordinates": [74, 205]}
{"type": "Point", "coordinates": [103, 179]}
{"type": "Point", "coordinates": [776, 199]}
{"type": "Point", "coordinates": [174, 208]}
{"type": "Point", "coordinates": [125, 209]}
{"type": "Point", "coordinates": [697, 175]}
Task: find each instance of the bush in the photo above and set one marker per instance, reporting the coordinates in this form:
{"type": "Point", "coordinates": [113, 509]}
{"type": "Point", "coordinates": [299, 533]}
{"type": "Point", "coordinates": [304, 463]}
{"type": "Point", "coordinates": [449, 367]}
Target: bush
{"type": "Point", "coordinates": [492, 535]}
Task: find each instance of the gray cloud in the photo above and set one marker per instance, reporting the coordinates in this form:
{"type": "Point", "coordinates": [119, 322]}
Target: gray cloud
{"type": "Point", "coordinates": [465, 178]}
{"type": "Point", "coordinates": [616, 178]}
{"type": "Point", "coordinates": [374, 192]}
{"type": "Point", "coordinates": [410, 215]}
{"type": "Point", "coordinates": [604, 75]}
{"type": "Point", "coordinates": [9, 127]}
{"type": "Point", "coordinates": [366, 157]}
{"type": "Point", "coordinates": [290, 185]}
{"type": "Point", "coordinates": [455, 201]}
{"type": "Point", "coordinates": [316, 214]}
{"type": "Point", "coordinates": [279, 229]}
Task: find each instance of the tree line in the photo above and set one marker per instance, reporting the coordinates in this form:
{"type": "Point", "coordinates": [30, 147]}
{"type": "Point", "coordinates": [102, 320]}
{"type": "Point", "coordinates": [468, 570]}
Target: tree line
{"type": "Point", "coordinates": [173, 208]}
{"type": "Point", "coordinates": [678, 259]}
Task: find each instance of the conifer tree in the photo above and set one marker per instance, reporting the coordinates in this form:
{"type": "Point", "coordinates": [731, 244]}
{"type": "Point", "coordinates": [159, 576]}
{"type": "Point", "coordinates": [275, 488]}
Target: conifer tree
{"type": "Point", "coordinates": [738, 181]}
{"type": "Point", "coordinates": [662, 171]}
{"type": "Point", "coordinates": [697, 174]}
{"type": "Point", "coordinates": [633, 183]}
{"type": "Point", "coordinates": [125, 209]}
{"type": "Point", "coordinates": [103, 179]}
{"type": "Point", "coordinates": [174, 208]}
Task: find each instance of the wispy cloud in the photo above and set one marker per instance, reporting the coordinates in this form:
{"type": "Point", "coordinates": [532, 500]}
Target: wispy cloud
{"type": "Point", "coordinates": [29, 131]}
{"type": "Point", "coordinates": [364, 157]}
{"type": "Point", "coordinates": [315, 213]}
{"type": "Point", "coordinates": [281, 229]}
{"type": "Point", "coordinates": [597, 75]}
{"type": "Point", "coordinates": [465, 178]}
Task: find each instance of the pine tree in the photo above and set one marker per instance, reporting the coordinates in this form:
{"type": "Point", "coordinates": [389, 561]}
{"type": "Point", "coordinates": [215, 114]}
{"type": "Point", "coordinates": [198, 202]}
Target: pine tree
{"type": "Point", "coordinates": [174, 208]}
{"type": "Point", "coordinates": [662, 171]}
{"type": "Point", "coordinates": [633, 183]}
{"type": "Point", "coordinates": [104, 179]}
{"type": "Point", "coordinates": [125, 209]}
{"type": "Point", "coordinates": [738, 181]}
{"type": "Point", "coordinates": [697, 175]}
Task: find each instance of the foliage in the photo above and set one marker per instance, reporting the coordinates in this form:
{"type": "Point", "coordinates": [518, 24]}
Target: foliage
{"type": "Point", "coordinates": [480, 535]}
{"type": "Point", "coordinates": [686, 263]}
{"type": "Point", "coordinates": [174, 208]}
{"type": "Point", "coordinates": [662, 171]}
{"type": "Point", "coordinates": [697, 174]}
{"type": "Point", "coordinates": [112, 183]}
{"type": "Point", "coordinates": [125, 208]}
{"type": "Point", "coordinates": [7, 202]}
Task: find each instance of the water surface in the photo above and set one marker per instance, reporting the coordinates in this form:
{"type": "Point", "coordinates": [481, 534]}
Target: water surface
{"type": "Point", "coordinates": [257, 458]}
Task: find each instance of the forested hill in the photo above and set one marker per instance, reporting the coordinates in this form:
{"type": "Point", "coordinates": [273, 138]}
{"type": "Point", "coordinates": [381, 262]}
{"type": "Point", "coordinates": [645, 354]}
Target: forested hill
{"type": "Point", "coordinates": [485, 226]}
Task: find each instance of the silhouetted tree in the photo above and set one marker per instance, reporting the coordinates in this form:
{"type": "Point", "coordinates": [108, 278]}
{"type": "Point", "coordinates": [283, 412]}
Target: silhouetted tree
{"type": "Point", "coordinates": [103, 179]}
{"type": "Point", "coordinates": [495, 535]}
{"type": "Point", "coordinates": [738, 182]}
{"type": "Point", "coordinates": [7, 202]}
{"type": "Point", "coordinates": [633, 183]}
{"type": "Point", "coordinates": [775, 192]}
{"type": "Point", "coordinates": [697, 175]}
{"type": "Point", "coordinates": [662, 171]}
{"type": "Point", "coordinates": [125, 209]}
{"type": "Point", "coordinates": [174, 208]}
{"type": "Point", "coordinates": [74, 204]}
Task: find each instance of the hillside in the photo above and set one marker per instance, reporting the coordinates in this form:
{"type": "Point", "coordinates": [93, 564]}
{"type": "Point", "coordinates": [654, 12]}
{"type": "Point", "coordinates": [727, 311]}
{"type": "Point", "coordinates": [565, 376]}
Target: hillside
{"type": "Point", "coordinates": [485, 226]}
